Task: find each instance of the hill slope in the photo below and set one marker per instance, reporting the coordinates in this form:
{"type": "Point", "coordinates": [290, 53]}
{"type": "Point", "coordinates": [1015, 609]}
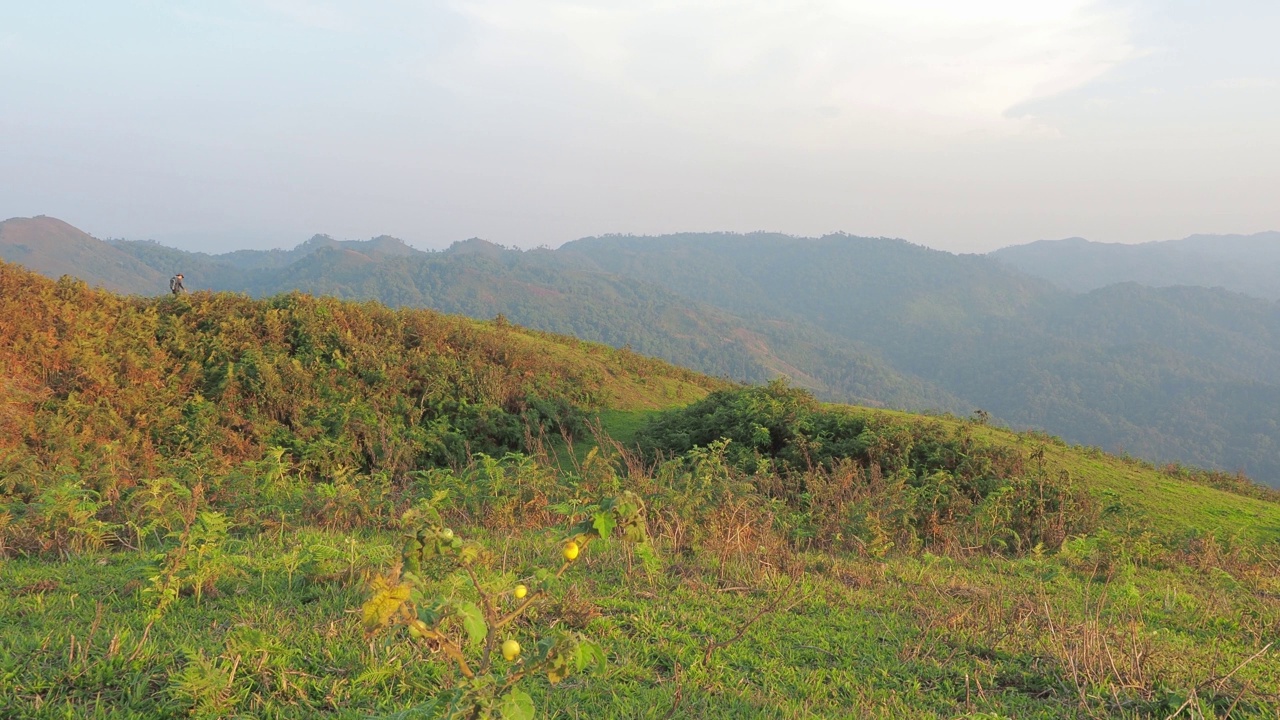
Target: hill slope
{"type": "Point", "coordinates": [239, 486]}
{"type": "Point", "coordinates": [1168, 374]}
{"type": "Point", "coordinates": [54, 248]}
{"type": "Point", "coordinates": [124, 385]}
{"type": "Point", "coordinates": [1177, 375]}
{"type": "Point", "coordinates": [1248, 264]}
{"type": "Point", "coordinates": [538, 289]}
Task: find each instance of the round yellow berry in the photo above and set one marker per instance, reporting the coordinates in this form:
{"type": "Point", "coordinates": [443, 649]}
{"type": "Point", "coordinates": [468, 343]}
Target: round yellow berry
{"type": "Point", "coordinates": [521, 591]}
{"type": "Point", "coordinates": [571, 550]}
{"type": "Point", "coordinates": [510, 649]}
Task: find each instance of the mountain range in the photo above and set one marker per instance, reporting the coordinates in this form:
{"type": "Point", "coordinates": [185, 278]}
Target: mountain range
{"type": "Point", "coordinates": [1249, 264]}
{"type": "Point", "coordinates": [1184, 370]}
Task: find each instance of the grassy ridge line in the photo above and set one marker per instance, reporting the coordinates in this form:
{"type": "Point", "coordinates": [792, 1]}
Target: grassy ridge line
{"type": "Point", "coordinates": [632, 382]}
{"type": "Point", "coordinates": [1133, 491]}
{"type": "Point", "coordinates": [62, 326]}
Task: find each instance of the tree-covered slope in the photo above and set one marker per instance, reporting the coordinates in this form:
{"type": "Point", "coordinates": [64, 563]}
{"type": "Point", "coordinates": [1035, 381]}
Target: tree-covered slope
{"type": "Point", "coordinates": [844, 282]}
{"type": "Point", "coordinates": [1248, 264]}
{"type": "Point", "coordinates": [163, 257]}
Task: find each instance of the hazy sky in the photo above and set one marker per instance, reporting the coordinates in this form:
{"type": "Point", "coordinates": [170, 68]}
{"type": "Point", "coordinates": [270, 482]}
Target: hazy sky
{"type": "Point", "coordinates": [960, 125]}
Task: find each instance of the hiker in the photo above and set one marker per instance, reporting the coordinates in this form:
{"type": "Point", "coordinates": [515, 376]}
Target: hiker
{"type": "Point", "coordinates": [175, 284]}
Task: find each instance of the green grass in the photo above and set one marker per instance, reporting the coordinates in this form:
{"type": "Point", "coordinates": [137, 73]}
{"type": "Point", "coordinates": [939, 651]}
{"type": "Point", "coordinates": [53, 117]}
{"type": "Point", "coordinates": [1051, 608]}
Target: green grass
{"type": "Point", "coordinates": [1169, 609]}
{"type": "Point", "coordinates": [619, 426]}
{"type": "Point", "coordinates": [631, 382]}
{"type": "Point", "coordinates": [622, 425]}
{"type": "Point", "coordinates": [925, 637]}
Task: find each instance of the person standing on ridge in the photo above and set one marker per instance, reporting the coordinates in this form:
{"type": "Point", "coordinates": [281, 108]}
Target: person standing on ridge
{"type": "Point", "coordinates": [175, 285]}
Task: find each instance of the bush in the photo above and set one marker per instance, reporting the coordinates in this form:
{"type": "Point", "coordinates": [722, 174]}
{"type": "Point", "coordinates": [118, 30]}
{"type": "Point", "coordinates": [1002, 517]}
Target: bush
{"type": "Point", "coordinates": [856, 480]}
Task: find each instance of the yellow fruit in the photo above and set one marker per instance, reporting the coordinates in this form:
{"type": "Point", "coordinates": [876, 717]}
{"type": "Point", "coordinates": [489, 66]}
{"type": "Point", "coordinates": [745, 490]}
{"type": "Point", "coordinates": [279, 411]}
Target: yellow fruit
{"type": "Point", "coordinates": [447, 533]}
{"type": "Point", "coordinates": [521, 591]}
{"type": "Point", "coordinates": [571, 550]}
{"type": "Point", "coordinates": [417, 629]}
{"type": "Point", "coordinates": [510, 649]}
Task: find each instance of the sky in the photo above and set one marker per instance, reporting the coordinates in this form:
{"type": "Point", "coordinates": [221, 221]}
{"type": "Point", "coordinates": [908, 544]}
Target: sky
{"type": "Point", "coordinates": [962, 126]}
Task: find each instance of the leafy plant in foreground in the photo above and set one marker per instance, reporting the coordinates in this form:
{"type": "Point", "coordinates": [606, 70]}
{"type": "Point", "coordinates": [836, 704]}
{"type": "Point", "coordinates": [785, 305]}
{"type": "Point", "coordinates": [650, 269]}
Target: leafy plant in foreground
{"type": "Point", "coordinates": [198, 561]}
{"type": "Point", "coordinates": [473, 634]}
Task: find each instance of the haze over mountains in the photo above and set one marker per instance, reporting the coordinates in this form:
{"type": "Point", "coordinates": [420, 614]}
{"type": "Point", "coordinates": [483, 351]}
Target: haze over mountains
{"type": "Point", "coordinates": [1245, 263]}
{"type": "Point", "coordinates": [1187, 374]}
{"type": "Point", "coordinates": [54, 248]}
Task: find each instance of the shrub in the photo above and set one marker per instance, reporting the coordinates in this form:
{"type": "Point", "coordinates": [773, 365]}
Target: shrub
{"type": "Point", "coordinates": [849, 478]}
{"type": "Point", "coordinates": [474, 633]}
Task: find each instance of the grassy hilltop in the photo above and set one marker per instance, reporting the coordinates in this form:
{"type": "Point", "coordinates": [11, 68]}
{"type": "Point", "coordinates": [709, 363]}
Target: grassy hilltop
{"type": "Point", "coordinates": [222, 507]}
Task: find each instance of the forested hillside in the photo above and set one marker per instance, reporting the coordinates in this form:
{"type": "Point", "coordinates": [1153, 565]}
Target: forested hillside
{"type": "Point", "coordinates": [1248, 264]}
{"type": "Point", "coordinates": [1189, 375]}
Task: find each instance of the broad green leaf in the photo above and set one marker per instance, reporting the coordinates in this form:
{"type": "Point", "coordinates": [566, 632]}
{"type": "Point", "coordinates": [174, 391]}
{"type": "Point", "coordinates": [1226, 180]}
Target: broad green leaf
{"type": "Point", "coordinates": [469, 553]}
{"type": "Point", "coordinates": [516, 705]}
{"type": "Point", "coordinates": [583, 527]}
{"type": "Point", "coordinates": [635, 533]}
{"type": "Point", "coordinates": [604, 524]}
{"type": "Point", "coordinates": [590, 655]}
{"type": "Point", "coordinates": [430, 614]}
{"type": "Point", "coordinates": [473, 622]}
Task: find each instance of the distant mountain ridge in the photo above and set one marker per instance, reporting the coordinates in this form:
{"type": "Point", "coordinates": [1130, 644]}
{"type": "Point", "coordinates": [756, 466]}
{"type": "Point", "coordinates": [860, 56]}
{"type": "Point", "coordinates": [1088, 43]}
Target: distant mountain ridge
{"type": "Point", "coordinates": [1248, 264]}
{"type": "Point", "coordinates": [1182, 374]}
{"type": "Point", "coordinates": [54, 248]}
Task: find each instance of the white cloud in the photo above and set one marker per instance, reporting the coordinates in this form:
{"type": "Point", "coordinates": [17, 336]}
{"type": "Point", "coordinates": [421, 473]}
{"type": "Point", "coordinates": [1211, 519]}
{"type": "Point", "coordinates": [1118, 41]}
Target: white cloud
{"type": "Point", "coordinates": [805, 71]}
